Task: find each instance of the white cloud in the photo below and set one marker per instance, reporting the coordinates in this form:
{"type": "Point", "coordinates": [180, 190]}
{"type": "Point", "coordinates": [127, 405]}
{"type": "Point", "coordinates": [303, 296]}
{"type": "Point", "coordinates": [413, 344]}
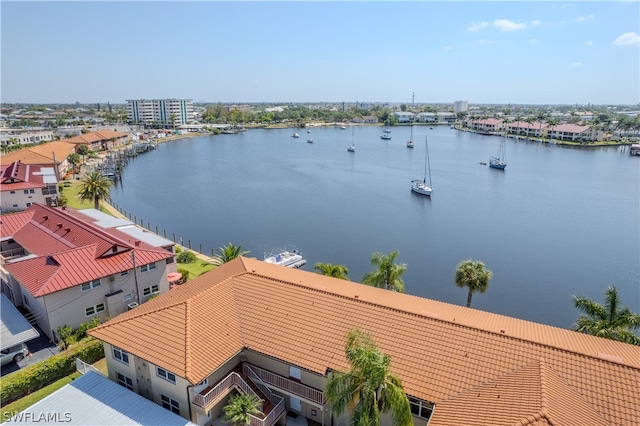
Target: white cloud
{"type": "Point", "coordinates": [535, 22]}
{"type": "Point", "coordinates": [447, 48]}
{"type": "Point", "coordinates": [533, 40]}
{"type": "Point", "coordinates": [627, 39]}
{"type": "Point", "coordinates": [588, 43]}
{"type": "Point", "coordinates": [586, 18]}
{"type": "Point", "coordinates": [507, 25]}
{"type": "Point", "coordinates": [577, 64]}
{"type": "Point", "coordinates": [477, 26]}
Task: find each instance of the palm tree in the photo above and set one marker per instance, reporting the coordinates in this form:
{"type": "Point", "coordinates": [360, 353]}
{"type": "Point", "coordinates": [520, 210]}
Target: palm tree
{"type": "Point", "coordinates": [610, 320]}
{"type": "Point", "coordinates": [552, 123]}
{"type": "Point", "coordinates": [335, 271]}
{"type": "Point", "coordinates": [368, 389]}
{"type": "Point", "coordinates": [388, 274]}
{"type": "Point", "coordinates": [239, 409]}
{"type": "Point", "coordinates": [472, 274]}
{"type": "Point", "coordinates": [94, 187]}
{"type": "Point", "coordinates": [229, 252]}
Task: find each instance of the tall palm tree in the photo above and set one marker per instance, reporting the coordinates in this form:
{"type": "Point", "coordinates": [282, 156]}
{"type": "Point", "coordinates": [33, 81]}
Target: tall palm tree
{"type": "Point", "coordinates": [368, 389]}
{"type": "Point", "coordinates": [229, 252]}
{"type": "Point", "coordinates": [473, 275]}
{"type": "Point", "coordinates": [610, 320]}
{"type": "Point", "coordinates": [239, 409]}
{"type": "Point", "coordinates": [335, 271]}
{"type": "Point", "coordinates": [94, 187]}
{"type": "Point", "coordinates": [388, 274]}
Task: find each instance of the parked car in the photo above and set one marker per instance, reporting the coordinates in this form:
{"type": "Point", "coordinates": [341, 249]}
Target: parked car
{"type": "Point", "coordinates": [14, 353]}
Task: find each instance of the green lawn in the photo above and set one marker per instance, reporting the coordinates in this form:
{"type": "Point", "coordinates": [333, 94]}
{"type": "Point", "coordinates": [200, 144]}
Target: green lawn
{"type": "Point", "coordinates": [29, 400]}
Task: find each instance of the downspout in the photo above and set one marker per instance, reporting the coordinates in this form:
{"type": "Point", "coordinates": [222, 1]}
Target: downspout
{"type": "Point", "coordinates": [135, 275]}
{"type": "Point", "coordinates": [189, 387]}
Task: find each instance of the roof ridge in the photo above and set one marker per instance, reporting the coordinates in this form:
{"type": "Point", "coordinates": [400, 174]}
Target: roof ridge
{"type": "Point", "coordinates": [425, 314]}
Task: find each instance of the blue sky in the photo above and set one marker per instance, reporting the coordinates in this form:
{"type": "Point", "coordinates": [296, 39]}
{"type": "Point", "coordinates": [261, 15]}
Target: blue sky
{"type": "Point", "coordinates": [541, 52]}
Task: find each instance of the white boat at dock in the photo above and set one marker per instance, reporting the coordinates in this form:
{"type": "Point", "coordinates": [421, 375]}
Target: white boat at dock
{"type": "Point", "coordinates": [289, 259]}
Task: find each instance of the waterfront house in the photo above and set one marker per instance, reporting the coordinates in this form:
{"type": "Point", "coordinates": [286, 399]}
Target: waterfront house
{"type": "Point", "coordinates": [575, 133]}
{"type": "Point", "coordinates": [66, 271]}
{"type": "Point", "coordinates": [100, 140]}
{"type": "Point", "coordinates": [22, 185]}
{"type": "Point", "coordinates": [486, 125]}
{"type": "Point", "coordinates": [404, 117]}
{"type": "Point", "coordinates": [253, 327]}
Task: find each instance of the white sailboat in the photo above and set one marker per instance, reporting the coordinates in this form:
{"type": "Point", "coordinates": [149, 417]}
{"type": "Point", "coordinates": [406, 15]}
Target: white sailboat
{"type": "Point", "coordinates": [420, 186]}
{"type": "Point", "coordinates": [410, 141]}
{"type": "Point", "coordinates": [352, 147]}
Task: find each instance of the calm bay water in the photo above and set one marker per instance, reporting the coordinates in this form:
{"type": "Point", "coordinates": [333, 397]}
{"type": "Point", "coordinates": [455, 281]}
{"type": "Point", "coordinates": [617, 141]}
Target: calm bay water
{"type": "Point", "coordinates": [558, 221]}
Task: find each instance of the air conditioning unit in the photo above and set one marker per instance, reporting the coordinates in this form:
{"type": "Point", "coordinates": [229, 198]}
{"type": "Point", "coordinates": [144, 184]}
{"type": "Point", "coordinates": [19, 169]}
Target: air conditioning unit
{"type": "Point", "coordinates": [132, 305]}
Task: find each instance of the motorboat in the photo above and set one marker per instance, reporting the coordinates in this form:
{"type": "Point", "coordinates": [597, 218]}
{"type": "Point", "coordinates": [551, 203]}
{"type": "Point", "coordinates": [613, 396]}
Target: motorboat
{"type": "Point", "coordinates": [387, 130]}
{"type": "Point", "coordinates": [309, 140]}
{"type": "Point", "coordinates": [295, 135]}
{"type": "Point", "coordinates": [385, 136]}
{"type": "Point", "coordinates": [289, 259]}
{"type": "Point", "coordinates": [409, 144]}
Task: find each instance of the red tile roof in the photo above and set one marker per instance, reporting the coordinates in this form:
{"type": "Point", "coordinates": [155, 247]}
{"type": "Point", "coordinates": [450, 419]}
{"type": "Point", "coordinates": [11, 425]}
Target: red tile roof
{"type": "Point", "coordinates": [446, 354]}
{"type": "Point", "coordinates": [42, 154]}
{"type": "Point", "coordinates": [69, 251]}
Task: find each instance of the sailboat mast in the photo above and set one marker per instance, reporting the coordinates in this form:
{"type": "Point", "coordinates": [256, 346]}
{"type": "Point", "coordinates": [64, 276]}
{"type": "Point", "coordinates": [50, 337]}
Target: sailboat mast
{"type": "Point", "coordinates": [426, 154]}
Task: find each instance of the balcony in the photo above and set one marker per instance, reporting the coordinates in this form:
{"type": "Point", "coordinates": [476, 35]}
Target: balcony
{"type": "Point", "coordinates": [272, 407]}
{"type": "Point", "coordinates": [289, 386]}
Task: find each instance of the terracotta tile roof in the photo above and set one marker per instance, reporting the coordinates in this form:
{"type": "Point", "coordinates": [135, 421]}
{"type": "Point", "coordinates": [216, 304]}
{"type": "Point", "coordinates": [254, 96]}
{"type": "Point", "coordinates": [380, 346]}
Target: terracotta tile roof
{"type": "Point", "coordinates": [570, 128]}
{"type": "Point", "coordinates": [40, 154]}
{"type": "Point", "coordinates": [68, 251]}
{"type": "Point", "coordinates": [91, 137]}
{"type": "Point", "coordinates": [443, 353]}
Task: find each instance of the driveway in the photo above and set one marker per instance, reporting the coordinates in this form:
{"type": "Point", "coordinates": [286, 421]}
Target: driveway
{"type": "Point", "coordinates": [41, 348]}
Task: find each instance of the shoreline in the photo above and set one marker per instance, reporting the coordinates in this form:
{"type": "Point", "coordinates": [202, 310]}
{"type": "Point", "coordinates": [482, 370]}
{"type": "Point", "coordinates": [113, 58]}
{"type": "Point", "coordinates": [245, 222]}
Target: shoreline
{"type": "Point", "coordinates": [518, 138]}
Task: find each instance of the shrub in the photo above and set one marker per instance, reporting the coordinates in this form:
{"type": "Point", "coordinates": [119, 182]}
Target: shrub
{"type": "Point", "coordinates": [65, 332]}
{"type": "Point", "coordinates": [186, 257]}
{"type": "Point", "coordinates": [185, 273]}
{"type": "Point", "coordinates": [37, 376]}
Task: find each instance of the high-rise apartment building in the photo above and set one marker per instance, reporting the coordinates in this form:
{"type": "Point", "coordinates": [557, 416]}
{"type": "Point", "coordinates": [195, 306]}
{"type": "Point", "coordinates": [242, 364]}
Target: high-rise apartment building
{"type": "Point", "coordinates": [172, 112]}
{"type": "Point", "coordinates": [460, 106]}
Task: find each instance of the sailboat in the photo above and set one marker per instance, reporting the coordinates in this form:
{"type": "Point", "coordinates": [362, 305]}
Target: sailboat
{"type": "Point", "coordinates": [352, 147]}
{"type": "Point", "coordinates": [420, 186]}
{"type": "Point", "coordinates": [410, 141]}
{"type": "Point", "coordinates": [499, 162]}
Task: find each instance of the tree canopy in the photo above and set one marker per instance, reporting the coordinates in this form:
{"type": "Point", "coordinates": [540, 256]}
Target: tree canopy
{"type": "Point", "coordinates": [474, 276]}
{"type": "Point", "coordinates": [387, 273]}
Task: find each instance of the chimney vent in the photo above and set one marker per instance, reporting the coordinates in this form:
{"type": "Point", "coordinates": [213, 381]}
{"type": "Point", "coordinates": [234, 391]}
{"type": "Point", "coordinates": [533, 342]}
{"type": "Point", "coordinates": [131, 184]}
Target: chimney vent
{"type": "Point", "coordinates": [67, 229]}
{"type": "Point", "coordinates": [137, 243]}
{"type": "Point", "coordinates": [45, 217]}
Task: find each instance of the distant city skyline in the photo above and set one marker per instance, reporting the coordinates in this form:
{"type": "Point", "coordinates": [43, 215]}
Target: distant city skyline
{"type": "Point", "coordinates": [544, 52]}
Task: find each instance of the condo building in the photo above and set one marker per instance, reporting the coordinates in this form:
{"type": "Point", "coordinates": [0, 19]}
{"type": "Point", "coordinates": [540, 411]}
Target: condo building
{"type": "Point", "coordinates": [172, 112]}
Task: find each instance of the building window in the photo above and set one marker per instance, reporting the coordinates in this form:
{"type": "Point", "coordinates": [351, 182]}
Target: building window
{"type": "Point", "coordinates": [148, 267]}
{"type": "Point", "coordinates": [92, 310]}
{"type": "Point", "coordinates": [26, 191]}
{"type": "Point", "coordinates": [128, 296]}
{"type": "Point", "coordinates": [151, 290]}
{"type": "Point", "coordinates": [28, 204]}
{"type": "Point", "coordinates": [170, 404]}
{"type": "Point", "coordinates": [419, 408]}
{"type": "Point", "coordinates": [124, 381]}
{"type": "Point", "coordinates": [32, 191]}
{"type": "Point", "coordinates": [26, 301]}
{"type": "Point", "coordinates": [121, 355]}
{"type": "Point", "coordinates": [12, 192]}
{"type": "Point", "coordinates": [124, 274]}
{"type": "Point", "coordinates": [170, 377]}
{"type": "Point", "coordinates": [90, 285]}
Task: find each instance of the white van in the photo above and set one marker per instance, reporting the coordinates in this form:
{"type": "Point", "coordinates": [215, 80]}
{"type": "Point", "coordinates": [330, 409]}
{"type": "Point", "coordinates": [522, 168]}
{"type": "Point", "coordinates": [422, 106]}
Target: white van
{"type": "Point", "coordinates": [14, 353]}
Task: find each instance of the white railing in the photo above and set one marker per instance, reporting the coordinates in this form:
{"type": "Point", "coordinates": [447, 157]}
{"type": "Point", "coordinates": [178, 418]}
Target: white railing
{"type": "Point", "coordinates": [83, 367]}
{"type": "Point", "coordinates": [289, 385]}
{"type": "Point", "coordinates": [258, 382]}
{"type": "Point", "coordinates": [233, 379]}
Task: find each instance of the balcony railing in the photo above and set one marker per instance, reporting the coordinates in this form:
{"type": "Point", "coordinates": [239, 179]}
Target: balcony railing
{"type": "Point", "coordinates": [290, 386]}
{"type": "Point", "coordinates": [233, 379]}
